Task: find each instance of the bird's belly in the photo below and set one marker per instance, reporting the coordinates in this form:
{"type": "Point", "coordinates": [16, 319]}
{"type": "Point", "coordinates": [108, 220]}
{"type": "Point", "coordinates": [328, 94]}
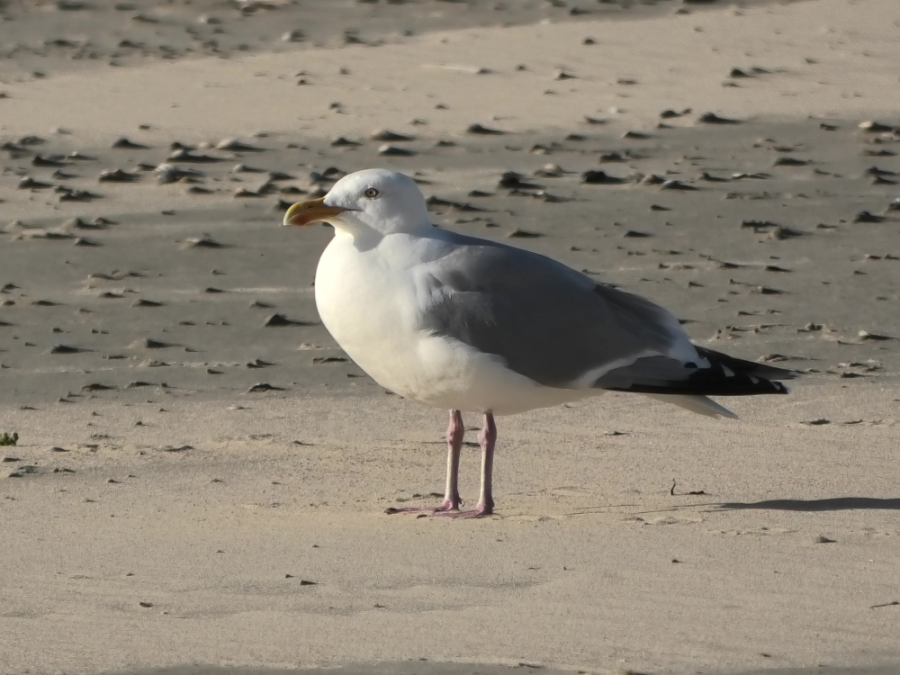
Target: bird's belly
{"type": "Point", "coordinates": [372, 316]}
{"type": "Point", "coordinates": [462, 378]}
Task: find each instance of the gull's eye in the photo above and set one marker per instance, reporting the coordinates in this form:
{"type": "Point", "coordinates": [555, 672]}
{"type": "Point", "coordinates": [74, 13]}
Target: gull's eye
{"type": "Point", "coordinates": [371, 193]}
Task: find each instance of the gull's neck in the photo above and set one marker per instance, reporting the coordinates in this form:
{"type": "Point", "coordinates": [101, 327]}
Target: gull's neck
{"type": "Point", "coordinates": [365, 237]}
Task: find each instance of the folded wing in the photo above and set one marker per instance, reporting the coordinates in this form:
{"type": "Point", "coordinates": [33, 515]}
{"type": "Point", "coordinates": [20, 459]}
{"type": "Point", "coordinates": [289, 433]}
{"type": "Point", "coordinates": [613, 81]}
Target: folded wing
{"type": "Point", "coordinates": [561, 329]}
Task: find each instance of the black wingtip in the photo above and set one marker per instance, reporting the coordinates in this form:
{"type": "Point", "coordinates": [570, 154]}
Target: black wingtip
{"type": "Point", "coordinates": [725, 376]}
{"type": "Point", "coordinates": [763, 370]}
{"type": "Point", "coordinates": [704, 383]}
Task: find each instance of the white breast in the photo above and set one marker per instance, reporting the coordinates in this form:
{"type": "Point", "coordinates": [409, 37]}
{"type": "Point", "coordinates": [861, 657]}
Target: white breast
{"type": "Point", "coordinates": [365, 309]}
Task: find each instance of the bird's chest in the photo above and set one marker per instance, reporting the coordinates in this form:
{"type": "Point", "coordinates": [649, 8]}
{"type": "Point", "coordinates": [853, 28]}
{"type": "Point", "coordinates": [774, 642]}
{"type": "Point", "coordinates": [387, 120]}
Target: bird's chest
{"type": "Point", "coordinates": [369, 309]}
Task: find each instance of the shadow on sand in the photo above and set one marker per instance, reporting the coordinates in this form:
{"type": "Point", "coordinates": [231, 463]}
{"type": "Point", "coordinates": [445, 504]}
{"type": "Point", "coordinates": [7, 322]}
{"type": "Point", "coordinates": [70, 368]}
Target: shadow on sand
{"type": "Point", "coordinates": [832, 504]}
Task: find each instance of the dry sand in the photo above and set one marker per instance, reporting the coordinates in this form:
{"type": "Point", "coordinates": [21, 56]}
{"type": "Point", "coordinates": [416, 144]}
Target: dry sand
{"type": "Point", "coordinates": [193, 446]}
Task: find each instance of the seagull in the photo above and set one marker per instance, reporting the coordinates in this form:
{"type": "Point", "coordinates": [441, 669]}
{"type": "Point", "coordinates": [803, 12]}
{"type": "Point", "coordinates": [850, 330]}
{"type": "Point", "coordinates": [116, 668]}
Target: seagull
{"type": "Point", "coordinates": [472, 325]}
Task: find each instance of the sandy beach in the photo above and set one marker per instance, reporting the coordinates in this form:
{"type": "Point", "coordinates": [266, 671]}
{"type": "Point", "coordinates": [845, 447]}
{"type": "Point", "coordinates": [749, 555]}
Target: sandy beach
{"type": "Point", "coordinates": [200, 473]}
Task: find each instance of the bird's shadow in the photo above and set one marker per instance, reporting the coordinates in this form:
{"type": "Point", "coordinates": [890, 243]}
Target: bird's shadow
{"type": "Point", "coordinates": [808, 505]}
{"type": "Point", "coordinates": [831, 504]}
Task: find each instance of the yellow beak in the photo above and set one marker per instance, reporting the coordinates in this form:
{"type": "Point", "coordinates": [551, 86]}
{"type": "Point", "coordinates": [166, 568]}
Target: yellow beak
{"type": "Point", "coordinates": [313, 211]}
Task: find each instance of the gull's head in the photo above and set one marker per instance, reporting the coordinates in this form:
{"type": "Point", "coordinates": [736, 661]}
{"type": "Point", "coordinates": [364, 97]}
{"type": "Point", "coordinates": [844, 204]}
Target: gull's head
{"type": "Point", "coordinates": [373, 199]}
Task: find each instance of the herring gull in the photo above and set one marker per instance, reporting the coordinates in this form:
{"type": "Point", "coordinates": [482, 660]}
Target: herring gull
{"type": "Point", "coordinates": [473, 325]}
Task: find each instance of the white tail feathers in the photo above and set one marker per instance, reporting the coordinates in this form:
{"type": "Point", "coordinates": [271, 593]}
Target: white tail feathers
{"type": "Point", "coordinates": [697, 404]}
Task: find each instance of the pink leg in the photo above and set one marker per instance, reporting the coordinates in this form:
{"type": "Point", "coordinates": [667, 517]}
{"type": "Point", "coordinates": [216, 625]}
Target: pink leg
{"type": "Point", "coordinates": [488, 438]}
{"type": "Point", "coordinates": [455, 433]}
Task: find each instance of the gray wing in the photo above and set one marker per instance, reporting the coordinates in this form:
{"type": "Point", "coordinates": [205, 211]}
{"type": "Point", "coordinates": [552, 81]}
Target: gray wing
{"type": "Point", "coordinates": [545, 320]}
{"type": "Point", "coordinates": [561, 329]}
